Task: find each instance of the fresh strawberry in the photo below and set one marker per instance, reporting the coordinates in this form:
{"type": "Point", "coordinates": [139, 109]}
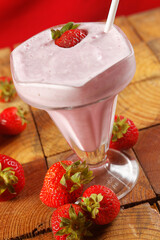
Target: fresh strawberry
{"type": "Point", "coordinates": [12, 121]}
{"type": "Point", "coordinates": [12, 178]}
{"type": "Point", "coordinates": [7, 90]}
{"type": "Point", "coordinates": [124, 134]}
{"type": "Point", "coordinates": [68, 36]}
{"type": "Point", "coordinates": [69, 222]}
{"type": "Point", "coordinates": [101, 203]}
{"type": "Point", "coordinates": [63, 183]}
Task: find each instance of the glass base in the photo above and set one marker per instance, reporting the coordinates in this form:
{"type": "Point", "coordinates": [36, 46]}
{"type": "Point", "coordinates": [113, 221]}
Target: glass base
{"type": "Point", "coordinates": [119, 172]}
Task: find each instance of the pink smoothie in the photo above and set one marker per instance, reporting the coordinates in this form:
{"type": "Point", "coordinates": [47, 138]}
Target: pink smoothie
{"type": "Point", "coordinates": [60, 80]}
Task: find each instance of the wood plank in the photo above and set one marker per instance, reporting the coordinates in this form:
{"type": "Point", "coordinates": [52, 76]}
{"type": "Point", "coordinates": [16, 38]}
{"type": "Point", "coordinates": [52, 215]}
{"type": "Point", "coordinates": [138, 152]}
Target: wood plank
{"type": "Point", "coordinates": [141, 103]}
{"type": "Point", "coordinates": [4, 62]}
{"type": "Point", "coordinates": [45, 236]}
{"type": "Point", "coordinates": [140, 222]}
{"type": "Point", "coordinates": [148, 152]}
{"type": "Point", "coordinates": [24, 147]}
{"type": "Point", "coordinates": [26, 215]}
{"type": "Point", "coordinates": [137, 223]}
{"type": "Point", "coordinates": [141, 192]}
{"type": "Point", "coordinates": [127, 28]}
{"type": "Point", "coordinates": [147, 24]}
{"type": "Point", "coordinates": [52, 140]}
{"type": "Point", "coordinates": [147, 64]}
{"type": "Point", "coordinates": [155, 47]}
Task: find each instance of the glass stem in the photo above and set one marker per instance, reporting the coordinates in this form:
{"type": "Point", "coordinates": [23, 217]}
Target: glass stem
{"type": "Point", "coordinates": [95, 157]}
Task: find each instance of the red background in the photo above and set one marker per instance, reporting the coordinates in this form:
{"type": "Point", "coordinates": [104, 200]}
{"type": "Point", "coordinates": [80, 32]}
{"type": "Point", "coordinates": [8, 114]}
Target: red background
{"type": "Point", "coordinates": [20, 19]}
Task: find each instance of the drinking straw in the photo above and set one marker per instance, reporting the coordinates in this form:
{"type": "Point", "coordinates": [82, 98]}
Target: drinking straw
{"type": "Point", "coordinates": [111, 15]}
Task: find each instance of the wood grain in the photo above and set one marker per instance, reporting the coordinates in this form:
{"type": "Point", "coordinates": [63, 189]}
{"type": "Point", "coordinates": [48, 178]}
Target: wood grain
{"type": "Point", "coordinates": [155, 47]}
{"type": "Point", "coordinates": [148, 152]}
{"type": "Point", "coordinates": [127, 28]}
{"type": "Point", "coordinates": [26, 215]}
{"type": "Point", "coordinates": [147, 24]}
{"type": "Point", "coordinates": [4, 62]}
{"type": "Point", "coordinates": [137, 223]}
{"type": "Point", "coordinates": [142, 190]}
{"type": "Point", "coordinates": [41, 236]}
{"type": "Point", "coordinates": [59, 157]}
{"type": "Point", "coordinates": [140, 222]}
{"type": "Point", "coordinates": [147, 64]}
{"type": "Point", "coordinates": [141, 103]}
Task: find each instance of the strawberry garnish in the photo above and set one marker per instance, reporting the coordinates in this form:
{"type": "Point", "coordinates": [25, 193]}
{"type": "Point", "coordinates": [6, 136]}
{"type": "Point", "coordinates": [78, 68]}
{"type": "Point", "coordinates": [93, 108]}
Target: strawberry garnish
{"type": "Point", "coordinates": [12, 121]}
{"type": "Point", "coordinates": [69, 222]}
{"type": "Point", "coordinates": [7, 90]}
{"type": "Point", "coordinates": [11, 178]}
{"type": "Point", "coordinates": [101, 203]}
{"type": "Point", "coordinates": [68, 36]}
{"type": "Point", "coordinates": [64, 182]}
{"type": "Point", "coordinates": [124, 134]}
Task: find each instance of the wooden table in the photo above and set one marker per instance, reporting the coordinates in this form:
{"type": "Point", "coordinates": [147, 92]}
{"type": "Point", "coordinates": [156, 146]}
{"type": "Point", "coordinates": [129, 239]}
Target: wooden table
{"type": "Point", "coordinates": [41, 144]}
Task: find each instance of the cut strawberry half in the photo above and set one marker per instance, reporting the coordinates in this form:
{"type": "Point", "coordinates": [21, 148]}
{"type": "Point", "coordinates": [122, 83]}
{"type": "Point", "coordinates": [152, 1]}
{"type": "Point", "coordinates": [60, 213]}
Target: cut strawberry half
{"type": "Point", "coordinates": [68, 36]}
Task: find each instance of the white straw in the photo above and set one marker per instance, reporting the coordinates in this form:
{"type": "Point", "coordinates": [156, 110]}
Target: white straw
{"type": "Point", "coordinates": [111, 15]}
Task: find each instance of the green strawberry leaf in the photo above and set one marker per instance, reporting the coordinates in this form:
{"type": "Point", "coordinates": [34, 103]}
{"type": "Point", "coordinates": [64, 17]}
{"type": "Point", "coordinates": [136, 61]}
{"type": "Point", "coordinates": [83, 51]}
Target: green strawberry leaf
{"type": "Point", "coordinates": [63, 181]}
{"type": "Point", "coordinates": [55, 33]}
{"type": "Point", "coordinates": [58, 33]}
{"type": "Point", "coordinates": [100, 197]}
{"type": "Point", "coordinates": [91, 204]}
{"type": "Point", "coordinates": [120, 127]}
{"type": "Point", "coordinates": [61, 232]}
{"type": "Point", "coordinates": [75, 26]}
{"type": "Point", "coordinates": [2, 189]}
{"type": "Point", "coordinates": [64, 222]}
{"type": "Point", "coordinates": [66, 27]}
{"type": "Point", "coordinates": [72, 213]}
{"type": "Point", "coordinates": [78, 172]}
{"type": "Point", "coordinates": [75, 227]}
{"type": "Point", "coordinates": [7, 180]}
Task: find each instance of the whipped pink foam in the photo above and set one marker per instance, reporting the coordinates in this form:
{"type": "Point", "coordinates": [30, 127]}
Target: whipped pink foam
{"type": "Point", "coordinates": [48, 76]}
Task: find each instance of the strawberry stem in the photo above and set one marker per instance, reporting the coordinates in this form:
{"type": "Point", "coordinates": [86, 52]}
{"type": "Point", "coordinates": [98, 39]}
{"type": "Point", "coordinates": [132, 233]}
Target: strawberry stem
{"type": "Point", "coordinates": [21, 113]}
{"type": "Point", "coordinates": [7, 90]}
{"type": "Point", "coordinates": [7, 179]}
{"type": "Point", "coordinates": [58, 33]}
{"type": "Point", "coordinates": [76, 226]}
{"type": "Point", "coordinates": [78, 172]}
{"type": "Point", "coordinates": [92, 204]}
{"type": "Point", "coordinates": [120, 127]}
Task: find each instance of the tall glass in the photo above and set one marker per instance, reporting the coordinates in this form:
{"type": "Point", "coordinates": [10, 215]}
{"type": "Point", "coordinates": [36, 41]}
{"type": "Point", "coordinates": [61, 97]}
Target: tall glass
{"type": "Point", "coordinates": [85, 117]}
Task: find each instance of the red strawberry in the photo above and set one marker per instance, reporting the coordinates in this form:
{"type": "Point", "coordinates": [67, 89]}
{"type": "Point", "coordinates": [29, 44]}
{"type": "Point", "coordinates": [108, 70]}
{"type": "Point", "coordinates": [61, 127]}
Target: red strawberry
{"type": "Point", "coordinates": [68, 36]}
{"type": "Point", "coordinates": [11, 178]}
{"type": "Point", "coordinates": [101, 203]}
{"type": "Point", "coordinates": [69, 222]}
{"type": "Point", "coordinates": [7, 90]}
{"type": "Point", "coordinates": [124, 134]}
{"type": "Point", "coordinates": [12, 121]}
{"type": "Point", "coordinates": [63, 183]}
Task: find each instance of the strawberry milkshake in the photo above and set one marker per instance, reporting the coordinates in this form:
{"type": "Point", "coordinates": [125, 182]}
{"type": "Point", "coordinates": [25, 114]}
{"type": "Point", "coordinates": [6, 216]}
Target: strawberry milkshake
{"type": "Point", "coordinates": [77, 86]}
{"type": "Point", "coordinates": [75, 72]}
